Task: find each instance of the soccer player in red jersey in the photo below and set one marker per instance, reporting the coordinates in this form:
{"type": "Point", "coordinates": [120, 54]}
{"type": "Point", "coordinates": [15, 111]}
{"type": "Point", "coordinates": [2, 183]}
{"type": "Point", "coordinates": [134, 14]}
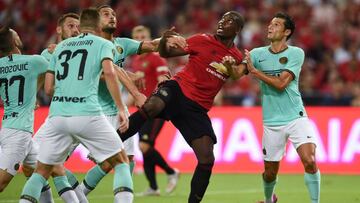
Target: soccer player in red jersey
{"type": "Point", "coordinates": [154, 70]}
{"type": "Point", "coordinates": [187, 97]}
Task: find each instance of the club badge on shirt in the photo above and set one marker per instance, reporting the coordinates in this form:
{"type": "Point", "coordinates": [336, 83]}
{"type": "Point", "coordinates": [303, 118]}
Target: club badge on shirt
{"type": "Point", "coordinates": [283, 60]}
{"type": "Point", "coordinates": [119, 49]}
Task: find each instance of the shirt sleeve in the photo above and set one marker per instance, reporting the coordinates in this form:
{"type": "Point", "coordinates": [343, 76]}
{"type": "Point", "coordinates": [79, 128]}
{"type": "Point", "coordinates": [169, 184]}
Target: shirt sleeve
{"type": "Point", "coordinates": [254, 58]}
{"type": "Point", "coordinates": [40, 64]}
{"type": "Point", "coordinates": [295, 61]}
{"type": "Point", "coordinates": [107, 51]}
{"type": "Point", "coordinates": [131, 47]}
{"type": "Point", "coordinates": [46, 54]}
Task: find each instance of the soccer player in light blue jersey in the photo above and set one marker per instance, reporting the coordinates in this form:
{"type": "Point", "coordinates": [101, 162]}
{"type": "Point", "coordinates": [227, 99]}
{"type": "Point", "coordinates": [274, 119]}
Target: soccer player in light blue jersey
{"type": "Point", "coordinates": [18, 88]}
{"type": "Point", "coordinates": [278, 67]}
{"type": "Point", "coordinates": [67, 26]}
{"type": "Point", "coordinates": [75, 113]}
{"type": "Point", "coordinates": [123, 48]}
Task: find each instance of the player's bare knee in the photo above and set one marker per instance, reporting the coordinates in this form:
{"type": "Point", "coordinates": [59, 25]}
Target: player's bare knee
{"type": "Point", "coordinates": [106, 166]}
{"type": "Point", "coordinates": [310, 165]}
{"type": "Point", "coordinates": [269, 175]}
{"type": "Point", "coordinates": [58, 170]}
{"type": "Point", "coordinates": [27, 170]}
{"type": "Point", "coordinates": [118, 158]}
{"type": "Point", "coordinates": [44, 170]}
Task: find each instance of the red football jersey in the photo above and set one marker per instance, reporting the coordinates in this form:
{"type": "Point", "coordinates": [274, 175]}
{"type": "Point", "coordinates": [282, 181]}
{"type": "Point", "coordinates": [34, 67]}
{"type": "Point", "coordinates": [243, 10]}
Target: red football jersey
{"type": "Point", "coordinates": [152, 66]}
{"type": "Point", "coordinates": [204, 75]}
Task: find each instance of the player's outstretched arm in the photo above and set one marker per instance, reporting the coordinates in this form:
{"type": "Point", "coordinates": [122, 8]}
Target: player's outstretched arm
{"type": "Point", "coordinates": [168, 49]}
{"type": "Point", "coordinates": [149, 46]}
{"type": "Point", "coordinates": [280, 83]}
{"type": "Point", "coordinates": [112, 84]}
{"type": "Point", "coordinates": [139, 98]}
{"type": "Point", "coordinates": [175, 41]}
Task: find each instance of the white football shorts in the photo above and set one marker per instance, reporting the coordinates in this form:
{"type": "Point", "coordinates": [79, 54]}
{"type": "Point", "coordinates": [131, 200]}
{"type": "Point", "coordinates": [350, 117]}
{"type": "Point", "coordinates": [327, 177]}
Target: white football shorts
{"type": "Point", "coordinates": [129, 144]}
{"type": "Point", "coordinates": [274, 140]}
{"type": "Point", "coordinates": [94, 132]}
{"type": "Point", "coordinates": [17, 147]}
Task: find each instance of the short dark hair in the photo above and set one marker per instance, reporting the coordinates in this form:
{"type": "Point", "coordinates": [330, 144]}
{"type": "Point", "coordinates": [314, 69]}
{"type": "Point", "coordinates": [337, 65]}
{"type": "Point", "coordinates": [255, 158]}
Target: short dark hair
{"type": "Point", "coordinates": [239, 19]}
{"type": "Point", "coordinates": [90, 18]}
{"type": "Point", "coordinates": [7, 41]}
{"type": "Point", "coordinates": [289, 22]}
{"type": "Point", "coordinates": [62, 18]}
{"type": "Point", "coordinates": [102, 6]}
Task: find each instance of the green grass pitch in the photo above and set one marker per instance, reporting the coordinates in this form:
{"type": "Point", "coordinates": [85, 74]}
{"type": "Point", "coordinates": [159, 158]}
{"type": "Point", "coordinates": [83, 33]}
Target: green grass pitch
{"type": "Point", "coordinates": [223, 188]}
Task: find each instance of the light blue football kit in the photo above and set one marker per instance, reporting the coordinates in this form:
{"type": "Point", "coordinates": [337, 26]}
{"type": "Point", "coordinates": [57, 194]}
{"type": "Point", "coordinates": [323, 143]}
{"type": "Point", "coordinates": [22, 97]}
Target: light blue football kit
{"type": "Point", "coordinates": [75, 112]}
{"type": "Point", "coordinates": [18, 88]}
{"type": "Point", "coordinates": [284, 115]}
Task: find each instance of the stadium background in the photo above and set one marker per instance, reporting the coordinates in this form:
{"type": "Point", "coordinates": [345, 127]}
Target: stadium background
{"type": "Point", "coordinates": [328, 31]}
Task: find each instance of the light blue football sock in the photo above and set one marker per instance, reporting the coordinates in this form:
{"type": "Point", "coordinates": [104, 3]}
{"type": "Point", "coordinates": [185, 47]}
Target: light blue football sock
{"type": "Point", "coordinates": [122, 178]}
{"type": "Point", "coordinates": [312, 182]}
{"type": "Point", "coordinates": [32, 188]}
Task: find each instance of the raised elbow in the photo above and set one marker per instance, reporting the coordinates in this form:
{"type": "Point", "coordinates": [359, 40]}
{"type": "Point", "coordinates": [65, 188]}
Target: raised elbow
{"type": "Point", "coordinates": [281, 87]}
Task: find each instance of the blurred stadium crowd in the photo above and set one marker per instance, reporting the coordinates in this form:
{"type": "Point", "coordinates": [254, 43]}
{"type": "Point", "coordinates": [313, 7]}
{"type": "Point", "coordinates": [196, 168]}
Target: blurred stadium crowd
{"type": "Point", "coordinates": [328, 31]}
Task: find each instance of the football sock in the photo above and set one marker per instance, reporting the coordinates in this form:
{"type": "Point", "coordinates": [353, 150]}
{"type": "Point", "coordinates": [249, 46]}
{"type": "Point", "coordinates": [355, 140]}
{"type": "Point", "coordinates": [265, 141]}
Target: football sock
{"type": "Point", "coordinates": [71, 178]}
{"type": "Point", "coordinates": [76, 187]}
{"type": "Point", "coordinates": [92, 178]}
{"type": "Point", "coordinates": [199, 182]}
{"type": "Point", "coordinates": [312, 182]}
{"type": "Point", "coordinates": [269, 190]}
{"type": "Point", "coordinates": [123, 185]}
{"type": "Point", "coordinates": [46, 194]}
{"type": "Point", "coordinates": [136, 121]}
{"type": "Point", "coordinates": [149, 168]}
{"type": "Point", "coordinates": [64, 189]}
{"type": "Point", "coordinates": [32, 189]}
{"type": "Point", "coordinates": [160, 161]}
